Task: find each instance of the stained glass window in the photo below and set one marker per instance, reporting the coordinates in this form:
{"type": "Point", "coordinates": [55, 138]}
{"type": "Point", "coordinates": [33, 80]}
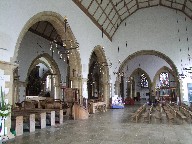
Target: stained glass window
{"type": "Point", "coordinates": [144, 81]}
{"type": "Point", "coordinates": [164, 79]}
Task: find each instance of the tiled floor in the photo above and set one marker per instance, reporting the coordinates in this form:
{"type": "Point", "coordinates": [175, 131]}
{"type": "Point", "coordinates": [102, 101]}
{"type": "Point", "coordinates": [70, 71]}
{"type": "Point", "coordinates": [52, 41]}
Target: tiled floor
{"type": "Point", "coordinates": [111, 127]}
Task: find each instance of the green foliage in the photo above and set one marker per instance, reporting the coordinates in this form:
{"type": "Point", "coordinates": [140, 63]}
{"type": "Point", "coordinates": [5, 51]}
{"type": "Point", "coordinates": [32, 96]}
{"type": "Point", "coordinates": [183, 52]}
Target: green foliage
{"type": "Point", "coordinates": [5, 109]}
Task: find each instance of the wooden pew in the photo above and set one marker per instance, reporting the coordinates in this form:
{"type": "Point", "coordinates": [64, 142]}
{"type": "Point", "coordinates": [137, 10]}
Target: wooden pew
{"type": "Point", "coordinates": [49, 115]}
{"type": "Point", "coordinates": [138, 113]}
{"type": "Point", "coordinates": [146, 116]}
{"type": "Point", "coordinates": [187, 113]}
{"type": "Point", "coordinates": [158, 115]}
{"type": "Point", "coordinates": [172, 110]}
{"type": "Point", "coordinates": [181, 116]}
{"type": "Point", "coordinates": [39, 115]}
{"type": "Point", "coordinates": [169, 115]}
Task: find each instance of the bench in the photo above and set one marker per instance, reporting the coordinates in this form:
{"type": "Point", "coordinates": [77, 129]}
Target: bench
{"type": "Point", "coordinates": [158, 115]}
{"type": "Point", "coordinates": [40, 116]}
{"type": "Point", "coordinates": [138, 113]}
{"type": "Point", "coordinates": [170, 116]}
{"type": "Point", "coordinates": [187, 113]}
{"type": "Point", "coordinates": [181, 116]}
{"type": "Point", "coordinates": [146, 116]}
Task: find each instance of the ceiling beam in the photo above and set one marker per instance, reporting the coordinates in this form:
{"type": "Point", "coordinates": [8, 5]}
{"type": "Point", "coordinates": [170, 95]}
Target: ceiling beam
{"type": "Point", "coordinates": [91, 17]}
{"type": "Point", "coordinates": [96, 10]}
{"type": "Point", "coordinates": [90, 4]}
{"type": "Point", "coordinates": [184, 5]}
{"type": "Point", "coordinates": [126, 7]}
{"type": "Point", "coordinates": [115, 10]}
{"type": "Point", "coordinates": [137, 3]}
{"type": "Point", "coordinates": [104, 11]}
{"type": "Point", "coordinates": [45, 27]}
{"type": "Point", "coordinates": [40, 34]}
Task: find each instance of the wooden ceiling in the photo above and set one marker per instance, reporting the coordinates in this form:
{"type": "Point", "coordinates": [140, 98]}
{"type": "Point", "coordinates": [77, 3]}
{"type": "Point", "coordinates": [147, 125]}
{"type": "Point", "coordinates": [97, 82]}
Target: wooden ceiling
{"type": "Point", "coordinates": [109, 14]}
{"type": "Point", "coordinates": [45, 30]}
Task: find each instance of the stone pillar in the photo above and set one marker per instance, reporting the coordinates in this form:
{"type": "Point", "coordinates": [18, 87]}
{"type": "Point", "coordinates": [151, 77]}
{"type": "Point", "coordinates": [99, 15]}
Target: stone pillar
{"type": "Point", "coordinates": [60, 116]}
{"type": "Point", "coordinates": [106, 93]}
{"type": "Point", "coordinates": [57, 92]}
{"type": "Point", "coordinates": [32, 122]}
{"type": "Point", "coordinates": [43, 120]}
{"type": "Point", "coordinates": [52, 118]}
{"type": "Point", "coordinates": [19, 125]}
{"type": "Point", "coordinates": [131, 88]}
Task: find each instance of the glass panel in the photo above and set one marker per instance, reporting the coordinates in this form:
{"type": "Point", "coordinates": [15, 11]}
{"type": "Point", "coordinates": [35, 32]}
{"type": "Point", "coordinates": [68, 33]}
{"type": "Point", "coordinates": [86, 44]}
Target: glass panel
{"type": "Point", "coordinates": [144, 81]}
{"type": "Point", "coordinates": [164, 79]}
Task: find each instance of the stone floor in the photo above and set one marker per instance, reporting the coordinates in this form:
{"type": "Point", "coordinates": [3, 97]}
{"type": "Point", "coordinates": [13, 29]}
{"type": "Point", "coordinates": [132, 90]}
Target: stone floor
{"type": "Point", "coordinates": [111, 127]}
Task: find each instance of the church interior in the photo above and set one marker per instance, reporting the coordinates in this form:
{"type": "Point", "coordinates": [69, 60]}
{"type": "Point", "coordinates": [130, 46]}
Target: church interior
{"type": "Point", "coordinates": [96, 71]}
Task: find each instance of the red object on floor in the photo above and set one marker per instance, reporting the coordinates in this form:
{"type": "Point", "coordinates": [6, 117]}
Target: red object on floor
{"type": "Point", "coordinates": [129, 101]}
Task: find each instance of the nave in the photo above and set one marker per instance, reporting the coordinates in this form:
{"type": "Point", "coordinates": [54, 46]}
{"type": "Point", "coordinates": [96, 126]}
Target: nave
{"type": "Point", "coordinates": [112, 127]}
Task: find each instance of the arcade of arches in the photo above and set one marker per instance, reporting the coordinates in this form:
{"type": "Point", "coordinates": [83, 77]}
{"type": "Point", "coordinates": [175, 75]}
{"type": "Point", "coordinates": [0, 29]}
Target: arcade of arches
{"type": "Point", "coordinates": [50, 61]}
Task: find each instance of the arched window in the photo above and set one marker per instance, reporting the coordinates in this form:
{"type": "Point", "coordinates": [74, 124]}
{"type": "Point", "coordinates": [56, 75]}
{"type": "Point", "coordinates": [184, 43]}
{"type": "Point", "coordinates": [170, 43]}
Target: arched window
{"type": "Point", "coordinates": [144, 81]}
{"type": "Point", "coordinates": [164, 79]}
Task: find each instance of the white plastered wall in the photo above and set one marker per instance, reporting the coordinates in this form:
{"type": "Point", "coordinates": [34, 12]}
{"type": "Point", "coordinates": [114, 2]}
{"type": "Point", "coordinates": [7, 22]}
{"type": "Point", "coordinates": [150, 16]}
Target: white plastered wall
{"type": "Point", "coordinates": [156, 29]}
{"type": "Point", "coordinates": [147, 29]}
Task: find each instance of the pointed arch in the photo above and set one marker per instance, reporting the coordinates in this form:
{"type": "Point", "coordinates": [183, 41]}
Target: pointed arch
{"type": "Point", "coordinates": [58, 23]}
{"type": "Point", "coordinates": [139, 70]}
{"type": "Point", "coordinates": [160, 55]}
{"type": "Point", "coordinates": [163, 69]}
{"type": "Point", "coordinates": [51, 64]}
{"type": "Point", "coordinates": [101, 58]}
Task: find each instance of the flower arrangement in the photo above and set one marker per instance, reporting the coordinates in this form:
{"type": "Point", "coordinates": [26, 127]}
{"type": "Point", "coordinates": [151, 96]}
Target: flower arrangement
{"type": "Point", "coordinates": [5, 108]}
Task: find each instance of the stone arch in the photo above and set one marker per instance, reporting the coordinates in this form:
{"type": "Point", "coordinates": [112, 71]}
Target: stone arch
{"type": "Point", "coordinates": [142, 71]}
{"type": "Point", "coordinates": [158, 54]}
{"type": "Point", "coordinates": [146, 74]}
{"type": "Point", "coordinates": [58, 23]}
{"type": "Point", "coordinates": [150, 52]}
{"type": "Point", "coordinates": [52, 66]}
{"type": "Point", "coordinates": [100, 53]}
{"type": "Point", "coordinates": [165, 68]}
